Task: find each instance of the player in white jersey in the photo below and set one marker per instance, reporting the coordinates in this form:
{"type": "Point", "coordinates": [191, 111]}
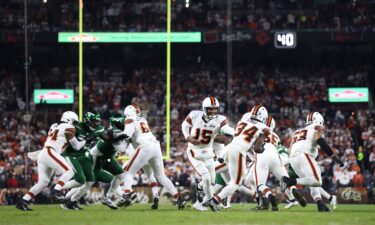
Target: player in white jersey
{"type": "Point", "coordinates": [200, 129]}
{"type": "Point", "coordinates": [250, 133]}
{"type": "Point", "coordinates": [270, 161]}
{"type": "Point", "coordinates": [147, 151]}
{"type": "Point", "coordinates": [302, 157]}
{"type": "Point", "coordinates": [153, 183]}
{"type": "Point", "coordinates": [49, 159]}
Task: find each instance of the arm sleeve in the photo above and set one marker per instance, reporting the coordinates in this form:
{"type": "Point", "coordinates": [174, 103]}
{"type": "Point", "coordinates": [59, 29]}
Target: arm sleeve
{"type": "Point", "coordinates": [77, 145]}
{"type": "Point", "coordinates": [324, 146]}
{"type": "Point", "coordinates": [185, 126]}
{"type": "Point", "coordinates": [227, 130]}
{"type": "Point", "coordinates": [129, 130]}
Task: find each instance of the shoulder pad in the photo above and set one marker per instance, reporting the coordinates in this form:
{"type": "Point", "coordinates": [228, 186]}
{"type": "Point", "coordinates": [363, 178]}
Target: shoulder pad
{"type": "Point", "coordinates": [195, 113]}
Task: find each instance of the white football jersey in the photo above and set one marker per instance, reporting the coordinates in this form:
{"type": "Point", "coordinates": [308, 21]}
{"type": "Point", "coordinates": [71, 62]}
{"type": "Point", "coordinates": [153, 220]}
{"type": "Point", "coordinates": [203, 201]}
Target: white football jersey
{"type": "Point", "coordinates": [303, 140]}
{"type": "Point", "coordinates": [273, 138]}
{"type": "Point", "coordinates": [56, 136]}
{"type": "Point", "coordinates": [138, 131]}
{"type": "Point", "coordinates": [247, 132]}
{"type": "Point", "coordinates": [205, 131]}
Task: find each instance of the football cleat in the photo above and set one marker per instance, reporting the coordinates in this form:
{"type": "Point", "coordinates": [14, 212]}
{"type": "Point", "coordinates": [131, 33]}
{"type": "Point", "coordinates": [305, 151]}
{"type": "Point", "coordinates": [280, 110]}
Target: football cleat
{"type": "Point", "coordinates": [73, 205]}
{"type": "Point", "coordinates": [108, 202]}
{"type": "Point", "coordinates": [228, 205]}
{"type": "Point", "coordinates": [126, 199]}
{"type": "Point", "coordinates": [213, 204]}
{"type": "Point", "coordinates": [291, 204]}
{"type": "Point", "coordinates": [198, 206]}
{"type": "Point", "coordinates": [180, 203]}
{"type": "Point", "coordinates": [333, 202]}
{"type": "Point", "coordinates": [301, 200]}
{"type": "Point", "coordinates": [56, 196]}
{"type": "Point", "coordinates": [64, 206]}
{"type": "Point", "coordinates": [322, 207]}
{"type": "Point", "coordinates": [264, 203]}
{"type": "Point", "coordinates": [23, 205]}
{"type": "Point", "coordinates": [199, 192]}
{"type": "Point", "coordinates": [274, 202]}
{"type": "Point", "coordinates": [155, 202]}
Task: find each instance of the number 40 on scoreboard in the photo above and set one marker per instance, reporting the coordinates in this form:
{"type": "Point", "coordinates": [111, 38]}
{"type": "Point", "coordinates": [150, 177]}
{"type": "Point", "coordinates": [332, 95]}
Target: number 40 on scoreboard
{"type": "Point", "coordinates": [285, 39]}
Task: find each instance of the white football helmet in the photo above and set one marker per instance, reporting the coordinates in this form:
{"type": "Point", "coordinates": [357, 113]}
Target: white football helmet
{"type": "Point", "coordinates": [314, 118]}
{"type": "Point", "coordinates": [69, 117]}
{"type": "Point", "coordinates": [212, 104]}
{"type": "Point", "coordinates": [131, 111]}
{"type": "Point", "coordinates": [271, 123]}
{"type": "Point", "coordinates": [259, 113]}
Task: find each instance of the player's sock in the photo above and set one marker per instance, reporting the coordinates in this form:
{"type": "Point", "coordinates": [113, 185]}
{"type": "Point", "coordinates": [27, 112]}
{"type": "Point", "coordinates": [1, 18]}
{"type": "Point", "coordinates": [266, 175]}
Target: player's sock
{"type": "Point", "coordinates": [154, 189]}
{"type": "Point", "coordinates": [128, 180]}
{"type": "Point", "coordinates": [246, 191]}
{"type": "Point", "coordinates": [325, 194]}
{"type": "Point", "coordinates": [289, 193]}
{"type": "Point", "coordinates": [115, 183]}
{"type": "Point", "coordinates": [82, 191]}
{"type": "Point", "coordinates": [27, 197]}
{"type": "Point", "coordinates": [228, 190]}
{"type": "Point", "coordinates": [65, 177]}
{"type": "Point", "coordinates": [35, 190]}
{"type": "Point", "coordinates": [72, 192]}
{"type": "Point", "coordinates": [308, 181]}
{"type": "Point", "coordinates": [265, 190]}
{"type": "Point", "coordinates": [71, 184]}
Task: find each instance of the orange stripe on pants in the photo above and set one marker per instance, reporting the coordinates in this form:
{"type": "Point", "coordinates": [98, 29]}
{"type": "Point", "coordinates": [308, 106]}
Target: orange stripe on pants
{"type": "Point", "coordinates": [312, 167]}
{"type": "Point", "coordinates": [49, 151]}
{"type": "Point", "coordinates": [132, 160]}
{"type": "Point", "coordinates": [239, 172]}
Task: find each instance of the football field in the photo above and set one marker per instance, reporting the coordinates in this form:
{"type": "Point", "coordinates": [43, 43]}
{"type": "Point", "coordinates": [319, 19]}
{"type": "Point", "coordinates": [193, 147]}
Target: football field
{"type": "Point", "coordinates": [167, 214]}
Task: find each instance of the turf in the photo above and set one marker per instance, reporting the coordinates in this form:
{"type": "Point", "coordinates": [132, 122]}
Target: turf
{"type": "Point", "coordinates": [167, 214]}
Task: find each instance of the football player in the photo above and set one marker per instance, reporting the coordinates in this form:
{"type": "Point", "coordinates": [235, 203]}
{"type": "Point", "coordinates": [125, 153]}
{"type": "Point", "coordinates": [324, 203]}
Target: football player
{"type": "Point", "coordinates": [270, 161]}
{"type": "Point", "coordinates": [199, 129]}
{"type": "Point", "coordinates": [49, 159]}
{"type": "Point", "coordinates": [147, 151]}
{"type": "Point", "coordinates": [250, 133]}
{"type": "Point", "coordinates": [302, 157]}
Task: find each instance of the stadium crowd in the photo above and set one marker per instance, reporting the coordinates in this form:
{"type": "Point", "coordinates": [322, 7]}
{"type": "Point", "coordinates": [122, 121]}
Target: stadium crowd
{"type": "Point", "coordinates": [288, 94]}
{"type": "Point", "coordinates": [150, 15]}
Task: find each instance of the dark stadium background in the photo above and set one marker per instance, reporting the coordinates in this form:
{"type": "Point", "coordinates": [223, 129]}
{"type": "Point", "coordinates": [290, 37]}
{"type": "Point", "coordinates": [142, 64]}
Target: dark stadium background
{"type": "Point", "coordinates": [335, 49]}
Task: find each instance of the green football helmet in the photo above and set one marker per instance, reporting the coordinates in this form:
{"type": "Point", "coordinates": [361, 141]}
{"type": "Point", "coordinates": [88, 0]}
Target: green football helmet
{"type": "Point", "coordinates": [92, 120]}
{"type": "Point", "coordinates": [117, 122]}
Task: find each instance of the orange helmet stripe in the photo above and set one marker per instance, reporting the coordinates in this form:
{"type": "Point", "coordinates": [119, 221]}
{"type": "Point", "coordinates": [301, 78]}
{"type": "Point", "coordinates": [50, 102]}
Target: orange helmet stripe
{"type": "Point", "coordinates": [269, 119]}
{"type": "Point", "coordinates": [212, 100]}
{"type": "Point", "coordinates": [309, 117]}
{"type": "Point", "coordinates": [256, 109]}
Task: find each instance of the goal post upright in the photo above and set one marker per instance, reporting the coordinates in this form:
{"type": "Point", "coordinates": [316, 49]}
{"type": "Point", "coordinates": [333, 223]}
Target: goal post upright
{"type": "Point", "coordinates": [168, 86]}
{"type": "Point", "coordinates": [80, 62]}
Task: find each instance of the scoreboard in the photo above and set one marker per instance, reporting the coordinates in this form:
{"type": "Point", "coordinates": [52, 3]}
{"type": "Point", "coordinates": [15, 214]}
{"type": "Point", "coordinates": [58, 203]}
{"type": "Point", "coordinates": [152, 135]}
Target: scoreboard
{"type": "Point", "coordinates": [285, 39]}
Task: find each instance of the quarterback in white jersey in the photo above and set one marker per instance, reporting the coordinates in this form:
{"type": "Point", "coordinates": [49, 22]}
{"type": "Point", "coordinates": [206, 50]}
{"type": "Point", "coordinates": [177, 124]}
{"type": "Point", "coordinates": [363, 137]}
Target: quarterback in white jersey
{"type": "Point", "coordinates": [199, 129]}
{"type": "Point", "coordinates": [302, 157]}
{"type": "Point", "coordinates": [147, 152]}
{"type": "Point", "coordinates": [250, 132]}
{"type": "Point", "coordinates": [50, 161]}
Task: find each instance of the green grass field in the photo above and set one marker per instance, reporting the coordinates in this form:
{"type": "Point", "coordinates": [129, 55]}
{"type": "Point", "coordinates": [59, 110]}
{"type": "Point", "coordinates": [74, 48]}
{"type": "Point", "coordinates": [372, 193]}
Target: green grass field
{"type": "Point", "coordinates": [167, 214]}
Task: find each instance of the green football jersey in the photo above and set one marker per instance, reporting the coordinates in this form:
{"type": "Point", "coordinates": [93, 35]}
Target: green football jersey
{"type": "Point", "coordinates": [106, 147]}
{"type": "Point", "coordinates": [82, 134]}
